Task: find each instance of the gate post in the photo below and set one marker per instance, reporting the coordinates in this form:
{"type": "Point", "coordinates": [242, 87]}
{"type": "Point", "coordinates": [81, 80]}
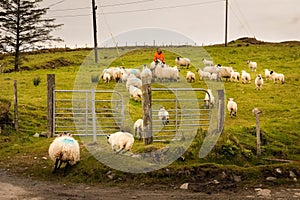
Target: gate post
{"type": "Point", "coordinates": [147, 113]}
{"type": "Point", "coordinates": [50, 104]}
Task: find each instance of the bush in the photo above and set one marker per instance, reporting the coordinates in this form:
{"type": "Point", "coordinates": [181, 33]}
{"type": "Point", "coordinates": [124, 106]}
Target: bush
{"type": "Point", "coordinates": [36, 81]}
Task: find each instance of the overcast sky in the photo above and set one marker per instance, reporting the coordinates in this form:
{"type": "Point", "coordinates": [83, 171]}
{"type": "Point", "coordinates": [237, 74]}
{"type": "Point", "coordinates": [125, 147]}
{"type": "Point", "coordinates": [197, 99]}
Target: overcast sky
{"type": "Point", "coordinates": [202, 21]}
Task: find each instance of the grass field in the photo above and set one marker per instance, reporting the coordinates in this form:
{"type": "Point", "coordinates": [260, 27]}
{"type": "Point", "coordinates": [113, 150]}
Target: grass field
{"type": "Point", "coordinates": [236, 147]}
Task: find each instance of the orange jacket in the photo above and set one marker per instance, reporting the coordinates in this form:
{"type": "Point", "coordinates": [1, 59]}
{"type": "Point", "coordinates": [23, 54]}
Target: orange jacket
{"type": "Point", "coordinates": [160, 56]}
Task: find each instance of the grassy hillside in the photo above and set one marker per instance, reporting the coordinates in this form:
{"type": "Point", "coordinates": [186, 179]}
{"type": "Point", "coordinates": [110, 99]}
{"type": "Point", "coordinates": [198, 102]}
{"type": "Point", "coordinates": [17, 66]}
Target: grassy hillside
{"type": "Point", "coordinates": [235, 149]}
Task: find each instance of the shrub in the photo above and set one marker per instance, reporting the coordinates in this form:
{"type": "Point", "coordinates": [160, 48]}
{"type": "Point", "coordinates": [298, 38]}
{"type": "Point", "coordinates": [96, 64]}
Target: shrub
{"type": "Point", "coordinates": [36, 81]}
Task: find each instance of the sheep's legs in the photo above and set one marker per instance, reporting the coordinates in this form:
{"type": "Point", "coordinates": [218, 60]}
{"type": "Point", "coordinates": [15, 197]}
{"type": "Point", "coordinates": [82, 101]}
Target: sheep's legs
{"type": "Point", "coordinates": [65, 169]}
{"type": "Point", "coordinates": [55, 165]}
{"type": "Point", "coordinates": [118, 151]}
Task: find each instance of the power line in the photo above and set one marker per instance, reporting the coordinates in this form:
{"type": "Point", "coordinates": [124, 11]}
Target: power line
{"type": "Point", "coordinates": [166, 7]}
{"type": "Point", "coordinates": [128, 3]}
{"type": "Point", "coordinates": [70, 9]}
{"type": "Point", "coordinates": [64, 16]}
{"type": "Point", "coordinates": [54, 4]}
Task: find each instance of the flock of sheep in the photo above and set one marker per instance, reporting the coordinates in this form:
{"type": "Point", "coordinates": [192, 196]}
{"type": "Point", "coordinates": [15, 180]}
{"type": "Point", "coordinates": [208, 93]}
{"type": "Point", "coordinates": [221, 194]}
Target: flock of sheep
{"type": "Point", "coordinates": [65, 149]}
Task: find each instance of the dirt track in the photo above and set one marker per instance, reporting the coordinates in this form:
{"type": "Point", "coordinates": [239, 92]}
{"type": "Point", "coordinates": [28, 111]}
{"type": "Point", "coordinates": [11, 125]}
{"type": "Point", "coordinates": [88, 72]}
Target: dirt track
{"type": "Point", "coordinates": [14, 187]}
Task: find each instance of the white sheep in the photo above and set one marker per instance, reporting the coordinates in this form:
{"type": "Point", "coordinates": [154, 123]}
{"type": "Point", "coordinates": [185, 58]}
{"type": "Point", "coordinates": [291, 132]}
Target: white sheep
{"type": "Point", "coordinates": [117, 74]}
{"type": "Point", "coordinates": [135, 92]}
{"type": "Point", "coordinates": [267, 74]}
{"type": "Point", "coordinates": [207, 62]}
{"type": "Point", "coordinates": [183, 62]}
{"type": "Point", "coordinates": [232, 107]}
{"type": "Point", "coordinates": [64, 149]}
{"type": "Point", "coordinates": [277, 77]}
{"type": "Point", "coordinates": [122, 140]}
{"type": "Point", "coordinates": [259, 82]}
{"type": "Point", "coordinates": [211, 69]}
{"type": "Point", "coordinates": [203, 74]}
{"type": "Point", "coordinates": [213, 76]}
{"type": "Point", "coordinates": [106, 77]}
{"type": "Point", "coordinates": [163, 115]}
{"type": "Point", "coordinates": [252, 65]}
{"type": "Point", "coordinates": [136, 72]}
{"type": "Point", "coordinates": [165, 72]}
{"type": "Point", "coordinates": [209, 99]}
{"type": "Point", "coordinates": [138, 128]}
{"type": "Point", "coordinates": [190, 76]}
{"type": "Point", "coordinates": [246, 78]}
{"type": "Point", "coordinates": [146, 75]}
{"type": "Point", "coordinates": [134, 81]}
{"type": "Point", "coordinates": [235, 76]}
{"type": "Point", "coordinates": [224, 72]}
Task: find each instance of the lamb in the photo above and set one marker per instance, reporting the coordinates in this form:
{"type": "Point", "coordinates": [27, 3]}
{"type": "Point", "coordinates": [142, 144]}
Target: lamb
{"type": "Point", "coordinates": [207, 62]}
{"type": "Point", "coordinates": [138, 128]}
{"type": "Point", "coordinates": [135, 92]}
{"type": "Point", "coordinates": [183, 62]}
{"type": "Point", "coordinates": [163, 115]}
{"type": "Point", "coordinates": [106, 77]}
{"type": "Point", "coordinates": [246, 78]}
{"type": "Point", "coordinates": [190, 76]}
{"type": "Point", "coordinates": [232, 107]}
{"type": "Point", "coordinates": [122, 140]}
{"type": "Point", "coordinates": [203, 74]}
{"type": "Point", "coordinates": [209, 99]}
{"type": "Point", "coordinates": [259, 82]}
{"type": "Point", "coordinates": [64, 149]}
{"type": "Point", "coordinates": [252, 65]}
{"type": "Point", "coordinates": [235, 76]}
{"type": "Point", "coordinates": [146, 75]}
{"type": "Point", "coordinates": [277, 77]}
{"type": "Point", "coordinates": [267, 74]}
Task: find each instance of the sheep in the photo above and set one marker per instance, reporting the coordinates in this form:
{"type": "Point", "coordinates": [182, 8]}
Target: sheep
{"type": "Point", "coordinates": [252, 65]}
{"type": "Point", "coordinates": [259, 82]}
{"type": "Point", "coordinates": [135, 92]}
{"type": "Point", "coordinates": [246, 78]}
{"type": "Point", "coordinates": [211, 69]}
{"type": "Point", "coordinates": [235, 76]}
{"type": "Point", "coordinates": [190, 76]}
{"type": "Point", "coordinates": [213, 76]}
{"type": "Point", "coordinates": [277, 77]}
{"type": "Point", "coordinates": [224, 72]}
{"type": "Point", "coordinates": [106, 77]}
{"type": "Point", "coordinates": [163, 71]}
{"type": "Point", "coordinates": [267, 74]}
{"type": "Point", "coordinates": [122, 140]}
{"type": "Point", "coordinates": [64, 149]}
{"type": "Point", "coordinates": [138, 128]}
{"type": "Point", "coordinates": [146, 75]}
{"type": "Point", "coordinates": [117, 74]}
{"type": "Point", "coordinates": [232, 107]}
{"type": "Point", "coordinates": [163, 115]}
{"type": "Point", "coordinates": [209, 99]}
{"type": "Point", "coordinates": [134, 81]}
{"type": "Point", "coordinates": [136, 72]}
{"type": "Point", "coordinates": [207, 62]}
{"type": "Point", "coordinates": [203, 74]}
{"type": "Point", "coordinates": [183, 62]}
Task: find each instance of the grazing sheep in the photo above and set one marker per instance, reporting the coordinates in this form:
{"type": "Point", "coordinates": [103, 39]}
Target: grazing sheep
{"type": "Point", "coordinates": [232, 107]}
{"type": "Point", "coordinates": [203, 74]}
{"type": "Point", "coordinates": [64, 149]}
{"type": "Point", "coordinates": [106, 77]}
{"type": "Point", "coordinates": [209, 99]}
{"type": "Point", "coordinates": [135, 92]}
{"type": "Point", "coordinates": [267, 74]}
{"type": "Point", "coordinates": [121, 140]}
{"type": "Point", "coordinates": [183, 62]}
{"type": "Point", "coordinates": [146, 75]}
{"type": "Point", "coordinates": [211, 69]}
{"type": "Point", "coordinates": [252, 65]}
{"type": "Point", "coordinates": [190, 76]}
{"type": "Point", "coordinates": [259, 82]}
{"type": "Point", "coordinates": [235, 76]}
{"type": "Point", "coordinates": [138, 128]}
{"type": "Point", "coordinates": [207, 62]}
{"type": "Point", "coordinates": [117, 74]}
{"type": "Point", "coordinates": [165, 72]}
{"type": "Point", "coordinates": [224, 72]}
{"type": "Point", "coordinates": [134, 81]}
{"type": "Point", "coordinates": [135, 72]}
{"type": "Point", "coordinates": [213, 76]}
{"type": "Point", "coordinates": [277, 77]}
{"type": "Point", "coordinates": [163, 115]}
{"type": "Point", "coordinates": [246, 78]}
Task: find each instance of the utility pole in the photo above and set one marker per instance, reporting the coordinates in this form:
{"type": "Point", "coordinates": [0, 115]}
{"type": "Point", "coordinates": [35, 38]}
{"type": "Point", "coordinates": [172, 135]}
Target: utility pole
{"type": "Point", "coordinates": [226, 22]}
{"type": "Point", "coordinates": [94, 7]}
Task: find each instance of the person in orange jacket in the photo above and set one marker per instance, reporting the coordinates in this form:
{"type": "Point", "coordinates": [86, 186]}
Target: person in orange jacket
{"type": "Point", "coordinates": [159, 55]}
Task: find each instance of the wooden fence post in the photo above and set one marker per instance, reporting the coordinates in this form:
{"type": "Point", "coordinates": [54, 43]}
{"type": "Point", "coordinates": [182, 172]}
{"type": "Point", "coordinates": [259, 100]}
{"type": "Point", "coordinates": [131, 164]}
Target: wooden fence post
{"type": "Point", "coordinates": [16, 113]}
{"type": "Point", "coordinates": [50, 104]}
{"type": "Point", "coordinates": [256, 111]}
{"type": "Point", "coordinates": [147, 113]}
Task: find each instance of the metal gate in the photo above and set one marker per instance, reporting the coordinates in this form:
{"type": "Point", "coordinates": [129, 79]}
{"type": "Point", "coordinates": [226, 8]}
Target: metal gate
{"type": "Point", "coordinates": [88, 112]}
{"type": "Point", "coordinates": [186, 109]}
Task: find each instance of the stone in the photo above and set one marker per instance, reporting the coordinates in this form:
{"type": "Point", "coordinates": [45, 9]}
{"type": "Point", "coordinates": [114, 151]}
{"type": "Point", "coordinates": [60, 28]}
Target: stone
{"type": "Point", "coordinates": [184, 186]}
{"type": "Point", "coordinates": [270, 178]}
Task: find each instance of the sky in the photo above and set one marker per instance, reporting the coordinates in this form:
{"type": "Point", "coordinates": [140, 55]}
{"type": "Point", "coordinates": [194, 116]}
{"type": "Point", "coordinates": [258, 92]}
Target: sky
{"type": "Point", "coordinates": [200, 22]}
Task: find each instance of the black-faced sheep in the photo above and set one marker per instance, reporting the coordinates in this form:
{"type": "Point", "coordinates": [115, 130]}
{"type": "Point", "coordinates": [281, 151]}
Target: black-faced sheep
{"type": "Point", "coordinates": [64, 149]}
{"type": "Point", "coordinates": [183, 62]}
{"type": "Point", "coordinates": [122, 140]}
{"type": "Point", "coordinates": [259, 82]}
{"type": "Point", "coordinates": [232, 107]}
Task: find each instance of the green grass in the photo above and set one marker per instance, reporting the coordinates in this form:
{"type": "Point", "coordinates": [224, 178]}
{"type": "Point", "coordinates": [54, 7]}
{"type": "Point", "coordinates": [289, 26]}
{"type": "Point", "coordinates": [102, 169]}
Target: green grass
{"type": "Point", "coordinates": [236, 148]}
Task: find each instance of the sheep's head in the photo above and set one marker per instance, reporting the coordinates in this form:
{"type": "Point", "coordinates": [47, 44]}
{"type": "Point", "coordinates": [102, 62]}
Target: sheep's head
{"type": "Point", "coordinates": [259, 76]}
{"type": "Point", "coordinates": [108, 136]}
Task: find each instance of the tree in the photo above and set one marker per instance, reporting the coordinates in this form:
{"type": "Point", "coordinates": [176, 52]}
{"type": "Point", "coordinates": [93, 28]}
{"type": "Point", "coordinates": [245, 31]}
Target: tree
{"type": "Point", "coordinates": [23, 26]}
